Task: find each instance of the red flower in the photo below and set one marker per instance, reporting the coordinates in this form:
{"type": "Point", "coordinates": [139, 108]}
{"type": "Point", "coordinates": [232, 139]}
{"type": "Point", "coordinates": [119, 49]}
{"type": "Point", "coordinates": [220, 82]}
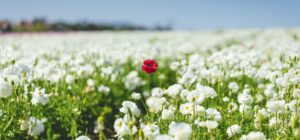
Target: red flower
{"type": "Point", "coordinates": [149, 66]}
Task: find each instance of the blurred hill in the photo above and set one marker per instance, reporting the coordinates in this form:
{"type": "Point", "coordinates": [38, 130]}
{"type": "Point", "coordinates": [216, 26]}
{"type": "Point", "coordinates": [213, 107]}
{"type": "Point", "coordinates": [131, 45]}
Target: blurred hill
{"type": "Point", "coordinates": [41, 25]}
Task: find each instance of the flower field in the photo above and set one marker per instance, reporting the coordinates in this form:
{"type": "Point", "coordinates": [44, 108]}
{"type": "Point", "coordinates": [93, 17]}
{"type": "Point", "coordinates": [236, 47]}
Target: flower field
{"type": "Point", "coordinates": [231, 84]}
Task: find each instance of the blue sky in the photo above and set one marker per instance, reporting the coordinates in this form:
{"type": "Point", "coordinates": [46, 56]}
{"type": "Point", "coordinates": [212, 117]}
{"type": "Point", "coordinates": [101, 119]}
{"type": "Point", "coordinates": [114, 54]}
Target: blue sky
{"type": "Point", "coordinates": [182, 14]}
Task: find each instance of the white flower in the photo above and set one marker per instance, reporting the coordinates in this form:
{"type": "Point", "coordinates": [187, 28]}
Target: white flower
{"type": "Point", "coordinates": [245, 109]}
{"type": "Point", "coordinates": [270, 90]}
{"type": "Point", "coordinates": [232, 107]}
{"type": "Point", "coordinates": [200, 110]}
{"type": "Point", "coordinates": [39, 97]}
{"type": "Point", "coordinates": [155, 104]}
{"type": "Point", "coordinates": [36, 126]}
{"type": "Point", "coordinates": [150, 130]}
{"type": "Point", "coordinates": [91, 82]}
{"type": "Point", "coordinates": [174, 65]}
{"type": "Point", "coordinates": [213, 114]}
{"type": "Point", "coordinates": [132, 80]}
{"type": "Point", "coordinates": [273, 122]}
{"type": "Point", "coordinates": [83, 138]}
{"type": "Point", "coordinates": [199, 123]}
{"type": "Point", "coordinates": [136, 96]}
{"type": "Point", "coordinates": [226, 99]}
{"type": "Point", "coordinates": [167, 114]}
{"type": "Point", "coordinates": [183, 94]}
{"type": "Point", "coordinates": [130, 106]}
{"type": "Point", "coordinates": [146, 94]}
{"type": "Point", "coordinates": [157, 92]}
{"type": "Point", "coordinates": [296, 93]}
{"type": "Point", "coordinates": [5, 89]}
{"type": "Point", "coordinates": [186, 108]}
{"type": "Point", "coordinates": [195, 96]}
{"type": "Point", "coordinates": [293, 106]}
{"type": "Point", "coordinates": [245, 98]}
{"type": "Point", "coordinates": [191, 108]}
{"type": "Point", "coordinates": [69, 79]}
{"type": "Point", "coordinates": [259, 98]}
{"type": "Point", "coordinates": [118, 123]}
{"type": "Point", "coordinates": [277, 106]}
{"type": "Point", "coordinates": [103, 89]}
{"type": "Point", "coordinates": [207, 92]}
{"type": "Point", "coordinates": [187, 78]}
{"type": "Point", "coordinates": [233, 130]}
{"type": "Point", "coordinates": [180, 131]}
{"type": "Point", "coordinates": [254, 136]}
{"type": "Point", "coordinates": [124, 128]}
{"type": "Point", "coordinates": [174, 90]}
{"type": "Point", "coordinates": [263, 112]}
{"type": "Point", "coordinates": [211, 124]}
{"type": "Point", "coordinates": [233, 86]}
{"type": "Point", "coordinates": [164, 137]}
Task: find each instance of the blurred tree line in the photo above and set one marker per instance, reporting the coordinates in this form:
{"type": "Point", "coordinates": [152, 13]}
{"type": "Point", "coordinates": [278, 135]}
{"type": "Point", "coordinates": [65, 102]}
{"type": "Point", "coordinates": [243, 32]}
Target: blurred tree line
{"type": "Point", "coordinates": [41, 25]}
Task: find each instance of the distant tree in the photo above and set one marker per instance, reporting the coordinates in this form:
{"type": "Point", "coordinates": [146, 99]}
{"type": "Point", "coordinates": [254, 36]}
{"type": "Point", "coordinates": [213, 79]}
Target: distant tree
{"type": "Point", "coordinates": [41, 25]}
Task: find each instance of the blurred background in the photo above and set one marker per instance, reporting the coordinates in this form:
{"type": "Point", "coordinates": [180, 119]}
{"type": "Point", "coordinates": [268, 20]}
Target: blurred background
{"type": "Point", "coordinates": [97, 15]}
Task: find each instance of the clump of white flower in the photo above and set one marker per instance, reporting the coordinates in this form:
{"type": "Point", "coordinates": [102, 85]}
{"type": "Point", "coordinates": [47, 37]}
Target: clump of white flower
{"type": "Point", "coordinates": [167, 114]}
{"type": "Point", "coordinates": [91, 82]}
{"type": "Point", "coordinates": [213, 114]}
{"type": "Point", "coordinates": [155, 104]}
{"type": "Point", "coordinates": [275, 122]}
{"type": "Point", "coordinates": [82, 137]}
{"type": "Point", "coordinates": [69, 79]}
{"type": "Point", "coordinates": [270, 90]}
{"type": "Point", "coordinates": [195, 96]}
{"type": "Point", "coordinates": [226, 99]}
{"type": "Point", "coordinates": [174, 65]}
{"type": "Point", "coordinates": [129, 107]}
{"type": "Point", "coordinates": [180, 131]}
{"type": "Point", "coordinates": [124, 128]}
{"type": "Point", "coordinates": [104, 89]}
{"type": "Point", "coordinates": [164, 137]}
{"type": "Point", "coordinates": [246, 109]}
{"type": "Point", "coordinates": [254, 136]}
{"type": "Point", "coordinates": [232, 106]}
{"type": "Point", "coordinates": [157, 92]}
{"type": "Point", "coordinates": [233, 86]}
{"type": "Point", "coordinates": [150, 131]}
{"type": "Point", "coordinates": [277, 106]}
{"type": "Point", "coordinates": [211, 125]}
{"type": "Point", "coordinates": [34, 126]}
{"type": "Point", "coordinates": [174, 90]}
{"type": "Point", "coordinates": [136, 96]}
{"type": "Point", "coordinates": [245, 99]}
{"type": "Point", "coordinates": [132, 80]}
{"type": "Point", "coordinates": [233, 130]}
{"type": "Point", "coordinates": [206, 91]}
{"type": "Point", "coordinates": [5, 89]}
{"type": "Point", "coordinates": [39, 97]}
